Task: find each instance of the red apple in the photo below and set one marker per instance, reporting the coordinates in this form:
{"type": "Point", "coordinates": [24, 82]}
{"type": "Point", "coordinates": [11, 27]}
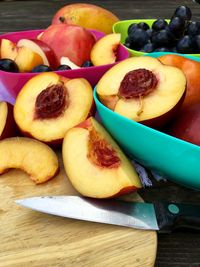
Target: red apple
{"type": "Point", "coordinates": [69, 41]}
{"type": "Point", "coordinates": [187, 125]}
{"type": "Point", "coordinates": [42, 49]}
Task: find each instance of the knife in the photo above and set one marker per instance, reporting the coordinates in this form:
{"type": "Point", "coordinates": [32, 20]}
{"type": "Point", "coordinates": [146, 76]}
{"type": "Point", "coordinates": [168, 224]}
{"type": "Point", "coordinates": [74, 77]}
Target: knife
{"type": "Point", "coordinates": [162, 217]}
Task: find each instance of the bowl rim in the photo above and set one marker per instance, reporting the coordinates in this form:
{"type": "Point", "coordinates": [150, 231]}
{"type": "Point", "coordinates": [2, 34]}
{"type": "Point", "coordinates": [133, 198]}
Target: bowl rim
{"type": "Point", "coordinates": [136, 52]}
{"type": "Point", "coordinates": [145, 127]}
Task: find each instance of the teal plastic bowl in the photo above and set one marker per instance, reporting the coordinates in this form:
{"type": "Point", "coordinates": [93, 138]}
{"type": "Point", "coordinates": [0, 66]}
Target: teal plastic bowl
{"type": "Point", "coordinates": [122, 27]}
{"type": "Point", "coordinates": [171, 157]}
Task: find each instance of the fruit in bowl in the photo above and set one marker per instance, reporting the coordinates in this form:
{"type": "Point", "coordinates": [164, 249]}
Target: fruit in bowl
{"type": "Point", "coordinates": [178, 34]}
{"type": "Point", "coordinates": [12, 82]}
{"type": "Point", "coordinates": [170, 157]}
{"type": "Point", "coordinates": [143, 89]}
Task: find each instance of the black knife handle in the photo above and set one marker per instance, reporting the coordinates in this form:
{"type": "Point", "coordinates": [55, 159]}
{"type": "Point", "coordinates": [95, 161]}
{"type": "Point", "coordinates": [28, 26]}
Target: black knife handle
{"type": "Point", "coordinates": [175, 216]}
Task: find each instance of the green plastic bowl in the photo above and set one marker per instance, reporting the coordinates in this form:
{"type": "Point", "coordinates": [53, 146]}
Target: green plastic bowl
{"type": "Point", "coordinates": [122, 27]}
{"type": "Point", "coordinates": [175, 159]}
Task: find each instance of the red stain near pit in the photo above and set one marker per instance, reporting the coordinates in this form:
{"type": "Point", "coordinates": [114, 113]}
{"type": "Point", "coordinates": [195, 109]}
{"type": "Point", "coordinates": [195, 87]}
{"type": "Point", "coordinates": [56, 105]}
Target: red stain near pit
{"type": "Point", "coordinates": [51, 102]}
{"type": "Point", "coordinates": [101, 153]}
{"type": "Point", "coordinates": [137, 83]}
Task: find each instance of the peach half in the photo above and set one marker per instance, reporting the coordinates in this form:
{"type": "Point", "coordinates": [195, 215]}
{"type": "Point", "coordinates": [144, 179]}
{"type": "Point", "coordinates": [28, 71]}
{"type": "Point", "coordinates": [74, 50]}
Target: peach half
{"type": "Point", "coordinates": [48, 105]}
{"type": "Point", "coordinates": [25, 58]}
{"type": "Point", "coordinates": [29, 155]}
{"type": "Point", "coordinates": [95, 164]}
{"type": "Point", "coordinates": [143, 89]}
{"type": "Point", "coordinates": [7, 123]}
{"type": "Point", "coordinates": [105, 49]}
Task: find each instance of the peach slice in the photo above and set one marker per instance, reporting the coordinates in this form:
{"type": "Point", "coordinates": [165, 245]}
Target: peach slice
{"type": "Point", "coordinates": [143, 89]}
{"type": "Point", "coordinates": [95, 164]}
{"type": "Point", "coordinates": [48, 105]}
{"type": "Point", "coordinates": [104, 50]}
{"type": "Point", "coordinates": [7, 123]}
{"type": "Point", "coordinates": [41, 49]}
{"type": "Point", "coordinates": [8, 49]}
{"type": "Point", "coordinates": [29, 155]}
{"type": "Point", "coordinates": [25, 58]}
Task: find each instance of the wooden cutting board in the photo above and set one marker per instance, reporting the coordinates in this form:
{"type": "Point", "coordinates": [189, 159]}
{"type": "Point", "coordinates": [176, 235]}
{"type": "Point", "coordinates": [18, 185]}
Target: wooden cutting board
{"type": "Point", "coordinates": [30, 238]}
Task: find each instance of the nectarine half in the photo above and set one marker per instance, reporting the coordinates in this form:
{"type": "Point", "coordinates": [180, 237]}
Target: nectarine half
{"type": "Point", "coordinates": [48, 105]}
{"type": "Point", "coordinates": [143, 89]}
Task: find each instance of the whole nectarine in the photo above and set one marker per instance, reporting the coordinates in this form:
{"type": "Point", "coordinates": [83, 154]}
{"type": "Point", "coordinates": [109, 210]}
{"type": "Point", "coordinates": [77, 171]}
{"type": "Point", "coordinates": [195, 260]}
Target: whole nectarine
{"type": "Point", "coordinates": [191, 69]}
{"type": "Point", "coordinates": [71, 41]}
{"type": "Point", "coordinates": [186, 126]}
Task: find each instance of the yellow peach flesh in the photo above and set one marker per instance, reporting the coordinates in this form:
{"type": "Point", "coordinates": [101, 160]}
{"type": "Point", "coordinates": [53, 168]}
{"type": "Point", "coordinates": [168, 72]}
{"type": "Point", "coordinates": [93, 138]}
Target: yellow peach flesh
{"type": "Point", "coordinates": [103, 51]}
{"type": "Point", "coordinates": [80, 102]}
{"type": "Point", "coordinates": [3, 116]}
{"type": "Point", "coordinates": [32, 156]}
{"type": "Point", "coordinates": [171, 87]}
{"type": "Point", "coordinates": [88, 178]}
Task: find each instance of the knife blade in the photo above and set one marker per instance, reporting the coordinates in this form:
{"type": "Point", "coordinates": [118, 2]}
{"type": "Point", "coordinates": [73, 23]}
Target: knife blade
{"type": "Point", "coordinates": [162, 217]}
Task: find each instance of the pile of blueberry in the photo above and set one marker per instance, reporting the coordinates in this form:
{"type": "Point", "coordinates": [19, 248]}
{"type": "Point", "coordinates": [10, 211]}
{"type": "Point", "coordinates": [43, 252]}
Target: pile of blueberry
{"type": "Point", "coordinates": [180, 34]}
{"type": "Point", "coordinates": [9, 65]}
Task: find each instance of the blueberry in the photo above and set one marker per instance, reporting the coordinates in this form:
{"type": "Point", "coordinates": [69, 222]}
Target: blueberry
{"type": "Point", "coordinates": [159, 25]}
{"type": "Point", "coordinates": [138, 38]}
{"type": "Point", "coordinates": [173, 49]}
{"type": "Point", "coordinates": [87, 63]}
{"type": "Point", "coordinates": [132, 27]}
{"type": "Point", "coordinates": [143, 26]}
{"type": "Point", "coordinates": [177, 26]}
{"type": "Point", "coordinates": [183, 12]}
{"type": "Point", "coordinates": [197, 43]}
{"type": "Point", "coordinates": [41, 68]}
{"type": "Point", "coordinates": [185, 45]}
{"type": "Point", "coordinates": [162, 49]}
{"type": "Point", "coordinates": [163, 38]}
{"type": "Point", "coordinates": [193, 28]}
{"type": "Point", "coordinates": [8, 65]}
{"type": "Point", "coordinates": [148, 48]}
{"type": "Point", "coordinates": [64, 67]}
{"type": "Point", "coordinates": [150, 32]}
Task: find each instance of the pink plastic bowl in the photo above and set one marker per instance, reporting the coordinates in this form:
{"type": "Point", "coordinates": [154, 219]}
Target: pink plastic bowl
{"type": "Point", "coordinates": [11, 83]}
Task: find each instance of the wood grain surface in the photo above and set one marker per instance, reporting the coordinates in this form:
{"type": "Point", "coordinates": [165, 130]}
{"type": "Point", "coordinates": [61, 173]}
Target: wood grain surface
{"type": "Point", "coordinates": [30, 238]}
{"type": "Point", "coordinates": [176, 250]}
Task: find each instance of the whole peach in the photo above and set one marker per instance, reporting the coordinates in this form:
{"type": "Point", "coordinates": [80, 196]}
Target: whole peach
{"type": "Point", "coordinates": [69, 41]}
{"type": "Point", "coordinates": [187, 125]}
